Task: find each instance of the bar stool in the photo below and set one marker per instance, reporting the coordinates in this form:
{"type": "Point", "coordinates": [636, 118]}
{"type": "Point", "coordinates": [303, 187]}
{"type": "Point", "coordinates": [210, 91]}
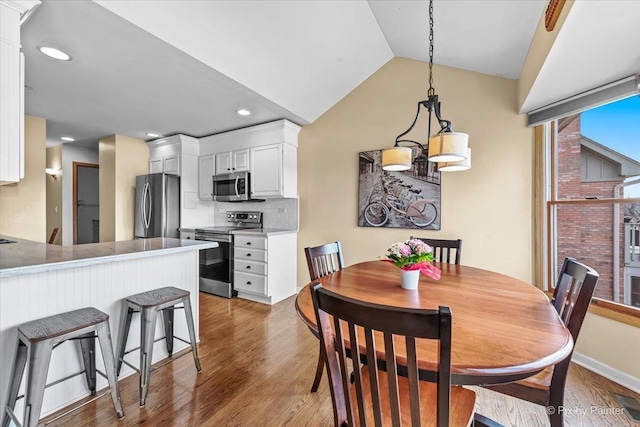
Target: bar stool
{"type": "Point", "coordinates": [149, 304]}
{"type": "Point", "coordinates": [37, 339]}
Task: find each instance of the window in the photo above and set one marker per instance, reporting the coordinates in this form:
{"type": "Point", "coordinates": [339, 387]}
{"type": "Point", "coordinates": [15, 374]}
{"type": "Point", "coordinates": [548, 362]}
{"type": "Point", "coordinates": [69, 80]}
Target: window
{"type": "Point", "coordinates": [594, 200]}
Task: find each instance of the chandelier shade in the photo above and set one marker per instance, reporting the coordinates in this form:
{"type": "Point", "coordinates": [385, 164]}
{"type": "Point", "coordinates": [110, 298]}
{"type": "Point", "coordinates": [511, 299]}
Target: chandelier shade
{"type": "Point", "coordinates": [396, 159]}
{"type": "Point", "coordinates": [461, 165]}
{"type": "Point", "coordinates": [448, 147]}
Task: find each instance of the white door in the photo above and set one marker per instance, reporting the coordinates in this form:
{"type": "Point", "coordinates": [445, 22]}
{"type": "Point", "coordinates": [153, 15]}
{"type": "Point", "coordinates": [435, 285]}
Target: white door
{"type": "Point", "coordinates": [155, 165]}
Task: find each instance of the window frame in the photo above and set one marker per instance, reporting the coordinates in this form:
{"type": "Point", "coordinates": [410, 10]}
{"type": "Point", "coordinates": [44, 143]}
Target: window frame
{"type": "Point", "coordinates": [546, 201]}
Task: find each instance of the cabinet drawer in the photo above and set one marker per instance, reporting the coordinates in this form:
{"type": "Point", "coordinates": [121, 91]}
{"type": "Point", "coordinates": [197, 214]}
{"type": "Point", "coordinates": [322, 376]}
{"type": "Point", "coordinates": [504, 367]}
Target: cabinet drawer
{"type": "Point", "coordinates": [242, 265]}
{"type": "Point", "coordinates": [248, 282]}
{"type": "Point", "coordinates": [249, 254]}
{"type": "Point", "coordinates": [253, 242]}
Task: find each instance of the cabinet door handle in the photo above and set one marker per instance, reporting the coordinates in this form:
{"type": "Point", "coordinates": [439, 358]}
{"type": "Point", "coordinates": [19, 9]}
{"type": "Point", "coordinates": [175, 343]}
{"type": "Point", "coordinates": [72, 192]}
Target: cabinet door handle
{"type": "Point", "coordinates": [248, 254]}
{"type": "Point", "coordinates": [248, 283]}
{"type": "Point", "coordinates": [233, 168]}
{"type": "Point", "coordinates": [248, 243]}
{"type": "Point", "coordinates": [248, 267]}
{"type": "Point", "coordinates": [228, 169]}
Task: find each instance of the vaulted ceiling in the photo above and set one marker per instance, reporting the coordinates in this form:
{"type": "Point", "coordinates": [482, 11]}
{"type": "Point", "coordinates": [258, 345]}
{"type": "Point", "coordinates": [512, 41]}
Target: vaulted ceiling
{"type": "Point", "coordinates": [186, 66]}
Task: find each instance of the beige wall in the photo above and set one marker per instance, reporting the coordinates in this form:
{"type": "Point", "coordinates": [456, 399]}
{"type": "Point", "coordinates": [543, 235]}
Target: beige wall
{"type": "Point", "coordinates": [107, 176]}
{"type": "Point", "coordinates": [132, 159]}
{"type": "Point", "coordinates": [489, 207]}
{"type": "Point", "coordinates": [55, 206]}
{"type": "Point", "coordinates": [610, 342]}
{"type": "Point", "coordinates": [121, 160]}
{"type": "Point", "coordinates": [23, 206]}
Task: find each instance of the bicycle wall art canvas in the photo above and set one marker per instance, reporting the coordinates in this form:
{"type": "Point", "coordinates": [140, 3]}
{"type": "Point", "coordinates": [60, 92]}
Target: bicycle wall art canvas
{"type": "Point", "coordinates": [407, 199]}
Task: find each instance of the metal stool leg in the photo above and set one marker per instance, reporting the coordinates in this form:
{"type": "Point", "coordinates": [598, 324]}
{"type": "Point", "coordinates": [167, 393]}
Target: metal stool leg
{"type": "Point", "coordinates": [124, 334]}
{"type": "Point", "coordinates": [39, 358]}
{"type": "Point", "coordinates": [192, 332]}
{"type": "Point", "coordinates": [88, 346]}
{"type": "Point", "coordinates": [167, 318]}
{"type": "Point", "coordinates": [104, 336]}
{"type": "Point", "coordinates": [147, 333]}
{"type": "Point", "coordinates": [19, 363]}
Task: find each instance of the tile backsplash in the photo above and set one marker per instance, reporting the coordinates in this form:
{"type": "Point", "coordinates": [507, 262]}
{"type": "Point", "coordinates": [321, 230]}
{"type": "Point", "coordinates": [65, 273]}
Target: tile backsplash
{"type": "Point", "coordinates": [277, 213]}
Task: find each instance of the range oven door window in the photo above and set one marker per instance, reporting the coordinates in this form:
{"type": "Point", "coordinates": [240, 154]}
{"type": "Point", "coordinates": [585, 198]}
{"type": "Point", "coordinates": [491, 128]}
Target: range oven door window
{"type": "Point", "coordinates": [216, 270]}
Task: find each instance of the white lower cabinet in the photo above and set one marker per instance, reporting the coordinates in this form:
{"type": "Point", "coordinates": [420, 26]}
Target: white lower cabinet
{"type": "Point", "coordinates": [250, 267]}
{"type": "Point", "coordinates": [264, 267]}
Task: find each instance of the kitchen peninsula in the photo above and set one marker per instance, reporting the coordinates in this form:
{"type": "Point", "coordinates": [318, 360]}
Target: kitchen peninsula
{"type": "Point", "coordinates": [39, 280]}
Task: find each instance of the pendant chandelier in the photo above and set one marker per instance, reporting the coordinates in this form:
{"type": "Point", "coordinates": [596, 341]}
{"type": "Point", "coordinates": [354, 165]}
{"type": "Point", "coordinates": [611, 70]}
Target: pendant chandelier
{"type": "Point", "coordinates": [448, 148]}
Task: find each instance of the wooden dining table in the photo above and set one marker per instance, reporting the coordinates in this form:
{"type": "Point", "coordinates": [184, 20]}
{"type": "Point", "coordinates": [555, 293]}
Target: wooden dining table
{"type": "Point", "coordinates": [503, 329]}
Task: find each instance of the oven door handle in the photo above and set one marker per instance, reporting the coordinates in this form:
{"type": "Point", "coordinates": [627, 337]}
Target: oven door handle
{"type": "Point", "coordinates": [236, 187]}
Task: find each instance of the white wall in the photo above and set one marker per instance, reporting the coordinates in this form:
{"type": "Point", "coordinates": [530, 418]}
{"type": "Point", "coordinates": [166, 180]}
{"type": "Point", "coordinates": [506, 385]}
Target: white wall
{"type": "Point", "coordinates": [70, 154]}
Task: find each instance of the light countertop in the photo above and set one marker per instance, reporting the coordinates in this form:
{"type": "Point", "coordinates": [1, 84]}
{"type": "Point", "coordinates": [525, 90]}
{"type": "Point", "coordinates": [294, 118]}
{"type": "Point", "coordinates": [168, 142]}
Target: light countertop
{"type": "Point", "coordinates": [265, 231]}
{"type": "Point", "coordinates": [25, 256]}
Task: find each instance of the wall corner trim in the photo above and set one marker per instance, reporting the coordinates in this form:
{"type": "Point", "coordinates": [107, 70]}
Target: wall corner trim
{"type": "Point", "coordinates": [607, 371]}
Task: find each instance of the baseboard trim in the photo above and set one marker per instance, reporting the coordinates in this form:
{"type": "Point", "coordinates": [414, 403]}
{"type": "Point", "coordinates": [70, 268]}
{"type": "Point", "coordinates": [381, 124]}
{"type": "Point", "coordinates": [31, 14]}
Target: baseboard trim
{"type": "Point", "coordinates": [607, 371]}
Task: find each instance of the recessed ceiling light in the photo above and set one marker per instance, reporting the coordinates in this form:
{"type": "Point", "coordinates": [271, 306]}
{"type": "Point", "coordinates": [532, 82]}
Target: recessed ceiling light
{"type": "Point", "coordinates": [243, 112]}
{"type": "Point", "coordinates": [152, 135]}
{"type": "Point", "coordinates": [54, 53]}
{"type": "Point", "coordinates": [67, 138]}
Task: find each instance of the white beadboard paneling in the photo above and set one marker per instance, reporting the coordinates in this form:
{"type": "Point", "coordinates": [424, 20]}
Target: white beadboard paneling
{"type": "Point", "coordinates": [104, 286]}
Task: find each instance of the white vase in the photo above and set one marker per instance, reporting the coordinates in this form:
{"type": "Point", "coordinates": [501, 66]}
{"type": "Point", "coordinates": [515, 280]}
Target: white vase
{"type": "Point", "coordinates": [410, 279]}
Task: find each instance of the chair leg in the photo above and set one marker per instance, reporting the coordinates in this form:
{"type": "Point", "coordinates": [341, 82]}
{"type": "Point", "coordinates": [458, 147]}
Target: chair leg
{"type": "Point", "coordinates": [556, 400]}
{"type": "Point", "coordinates": [39, 359]}
{"type": "Point", "coordinates": [482, 421]}
{"type": "Point", "coordinates": [106, 347]}
{"type": "Point", "coordinates": [122, 339]}
{"type": "Point", "coordinates": [167, 318]}
{"type": "Point", "coordinates": [19, 362]}
{"type": "Point", "coordinates": [319, 370]}
{"type": "Point", "coordinates": [88, 346]}
{"type": "Point", "coordinates": [192, 332]}
{"type": "Point", "coordinates": [147, 334]}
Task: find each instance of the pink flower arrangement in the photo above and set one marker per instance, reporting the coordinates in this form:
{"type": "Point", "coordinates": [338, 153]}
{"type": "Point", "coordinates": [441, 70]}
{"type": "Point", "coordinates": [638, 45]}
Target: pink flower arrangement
{"type": "Point", "coordinates": [411, 255]}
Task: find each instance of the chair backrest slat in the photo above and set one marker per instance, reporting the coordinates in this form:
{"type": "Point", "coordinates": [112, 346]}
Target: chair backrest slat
{"type": "Point", "coordinates": [443, 248]}
{"type": "Point", "coordinates": [380, 325]}
{"type": "Point", "coordinates": [394, 394]}
{"type": "Point", "coordinates": [573, 292]}
{"type": "Point", "coordinates": [323, 260]}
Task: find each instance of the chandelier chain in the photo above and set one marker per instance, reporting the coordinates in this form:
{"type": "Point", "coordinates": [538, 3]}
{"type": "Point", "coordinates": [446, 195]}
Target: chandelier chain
{"type": "Point", "coordinates": [431, 90]}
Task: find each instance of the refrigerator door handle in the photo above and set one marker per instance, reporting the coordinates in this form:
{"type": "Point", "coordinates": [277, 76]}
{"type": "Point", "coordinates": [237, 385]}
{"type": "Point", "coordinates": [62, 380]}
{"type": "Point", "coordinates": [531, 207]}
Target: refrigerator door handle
{"type": "Point", "coordinates": [144, 206]}
{"type": "Point", "coordinates": [236, 187]}
{"type": "Point", "coordinates": [148, 219]}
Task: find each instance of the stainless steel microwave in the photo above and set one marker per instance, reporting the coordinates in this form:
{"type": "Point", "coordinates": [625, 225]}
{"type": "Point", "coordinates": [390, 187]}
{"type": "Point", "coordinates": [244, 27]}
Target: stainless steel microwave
{"type": "Point", "coordinates": [232, 187]}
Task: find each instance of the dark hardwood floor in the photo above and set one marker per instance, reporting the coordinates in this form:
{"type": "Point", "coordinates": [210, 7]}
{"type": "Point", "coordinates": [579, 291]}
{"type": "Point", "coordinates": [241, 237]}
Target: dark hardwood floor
{"type": "Point", "coordinates": [258, 363]}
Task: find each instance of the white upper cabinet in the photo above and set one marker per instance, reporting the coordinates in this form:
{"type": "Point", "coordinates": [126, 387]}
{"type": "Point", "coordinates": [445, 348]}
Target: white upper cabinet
{"type": "Point", "coordinates": [267, 151]}
{"type": "Point", "coordinates": [205, 177]}
{"type": "Point", "coordinates": [12, 91]}
{"type": "Point", "coordinates": [232, 161]}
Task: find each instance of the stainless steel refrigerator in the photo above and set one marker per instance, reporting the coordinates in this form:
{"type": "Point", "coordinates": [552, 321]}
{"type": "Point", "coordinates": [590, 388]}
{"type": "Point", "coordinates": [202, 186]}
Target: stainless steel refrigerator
{"type": "Point", "coordinates": [157, 206]}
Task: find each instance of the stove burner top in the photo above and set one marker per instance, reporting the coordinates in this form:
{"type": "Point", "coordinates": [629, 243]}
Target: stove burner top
{"type": "Point", "coordinates": [223, 230]}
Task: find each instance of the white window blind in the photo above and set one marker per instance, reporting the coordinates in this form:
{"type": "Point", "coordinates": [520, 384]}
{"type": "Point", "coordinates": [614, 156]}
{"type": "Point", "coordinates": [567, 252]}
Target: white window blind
{"type": "Point", "coordinates": [603, 95]}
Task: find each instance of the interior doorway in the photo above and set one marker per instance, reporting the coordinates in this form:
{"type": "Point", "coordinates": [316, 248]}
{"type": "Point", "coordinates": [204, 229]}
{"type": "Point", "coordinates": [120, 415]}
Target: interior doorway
{"type": "Point", "coordinates": [86, 200]}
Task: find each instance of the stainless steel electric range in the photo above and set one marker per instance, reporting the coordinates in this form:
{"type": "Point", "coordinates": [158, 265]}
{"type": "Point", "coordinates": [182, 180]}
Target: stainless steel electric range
{"type": "Point", "coordinates": [216, 264]}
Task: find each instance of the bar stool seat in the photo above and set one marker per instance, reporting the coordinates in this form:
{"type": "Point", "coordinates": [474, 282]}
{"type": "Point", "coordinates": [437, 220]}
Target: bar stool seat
{"type": "Point", "coordinates": [35, 343]}
{"type": "Point", "coordinates": [148, 304]}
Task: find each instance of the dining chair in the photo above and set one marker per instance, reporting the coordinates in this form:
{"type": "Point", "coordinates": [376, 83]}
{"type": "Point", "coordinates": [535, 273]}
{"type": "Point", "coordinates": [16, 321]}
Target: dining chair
{"type": "Point", "coordinates": [375, 394]}
{"type": "Point", "coordinates": [571, 298]}
{"type": "Point", "coordinates": [442, 248]}
{"type": "Point", "coordinates": [323, 260]}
